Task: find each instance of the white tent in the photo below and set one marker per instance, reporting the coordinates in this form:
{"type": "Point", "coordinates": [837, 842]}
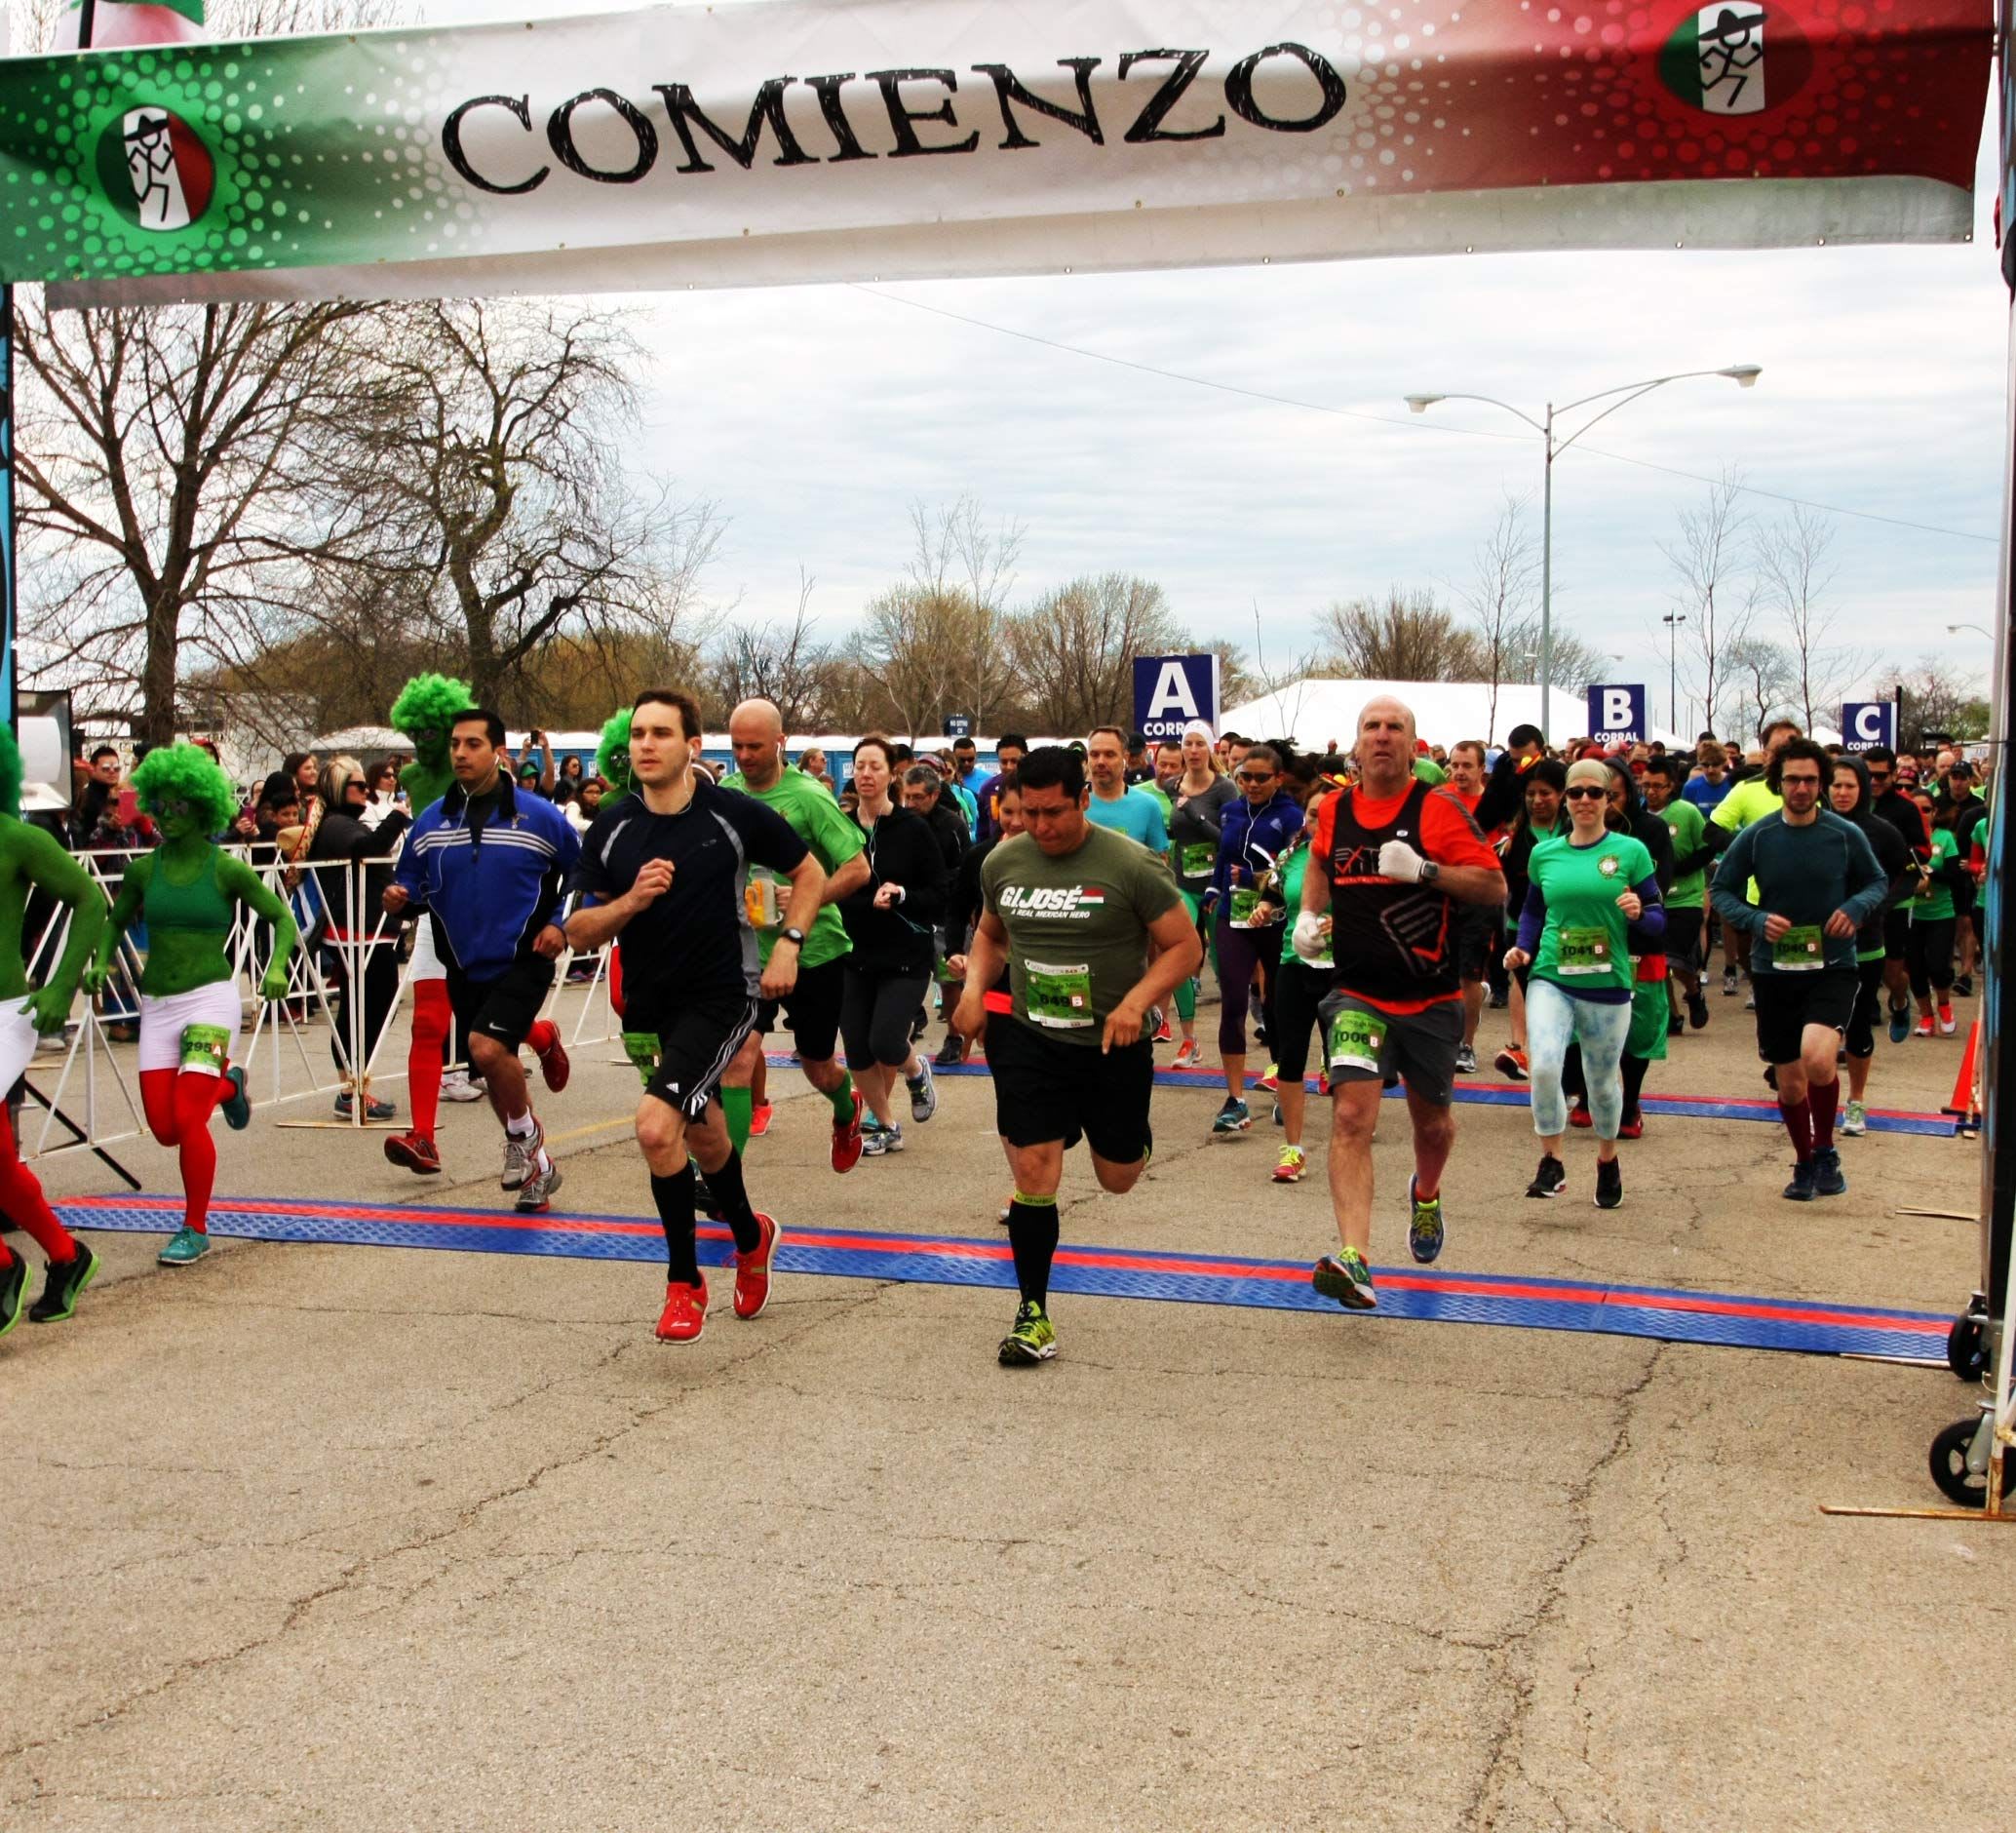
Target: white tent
{"type": "Point", "coordinates": [1318, 711]}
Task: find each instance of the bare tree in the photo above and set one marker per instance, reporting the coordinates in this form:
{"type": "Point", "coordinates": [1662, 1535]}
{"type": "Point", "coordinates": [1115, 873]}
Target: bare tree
{"type": "Point", "coordinates": [913, 656]}
{"type": "Point", "coordinates": [487, 443]}
{"type": "Point", "coordinates": [1074, 650]}
{"type": "Point", "coordinates": [1501, 598]}
{"type": "Point", "coordinates": [1716, 591]}
{"type": "Point", "coordinates": [955, 554]}
{"type": "Point", "coordinates": [165, 504]}
{"type": "Point", "coordinates": [1940, 700]}
{"type": "Point", "coordinates": [1760, 681]}
{"type": "Point", "coordinates": [779, 662]}
{"type": "Point", "coordinates": [1408, 636]}
{"type": "Point", "coordinates": [1795, 572]}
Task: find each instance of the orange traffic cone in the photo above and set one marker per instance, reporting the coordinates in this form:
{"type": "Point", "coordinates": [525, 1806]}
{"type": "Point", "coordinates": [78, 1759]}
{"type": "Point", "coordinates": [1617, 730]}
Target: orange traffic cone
{"type": "Point", "coordinates": [1965, 1104]}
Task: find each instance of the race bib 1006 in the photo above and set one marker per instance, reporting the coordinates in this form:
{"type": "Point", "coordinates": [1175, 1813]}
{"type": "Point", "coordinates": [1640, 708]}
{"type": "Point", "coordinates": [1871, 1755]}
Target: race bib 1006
{"type": "Point", "coordinates": [1356, 1039]}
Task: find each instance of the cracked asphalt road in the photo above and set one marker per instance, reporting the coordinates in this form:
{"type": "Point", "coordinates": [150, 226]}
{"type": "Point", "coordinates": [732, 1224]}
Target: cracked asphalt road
{"type": "Point", "coordinates": [345, 1537]}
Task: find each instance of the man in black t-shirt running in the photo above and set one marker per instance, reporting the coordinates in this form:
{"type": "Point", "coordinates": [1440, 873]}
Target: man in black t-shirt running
{"type": "Point", "coordinates": [668, 867]}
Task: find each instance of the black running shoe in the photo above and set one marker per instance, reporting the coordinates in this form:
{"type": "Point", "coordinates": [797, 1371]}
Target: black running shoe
{"type": "Point", "coordinates": [1828, 1178]}
{"type": "Point", "coordinates": [1697, 1011]}
{"type": "Point", "coordinates": [1610, 1184]}
{"type": "Point", "coordinates": [1801, 1188]}
{"type": "Point", "coordinates": [1964, 984]}
{"type": "Point", "coordinates": [14, 1282]}
{"type": "Point", "coordinates": [1550, 1180]}
{"type": "Point", "coordinates": [66, 1280]}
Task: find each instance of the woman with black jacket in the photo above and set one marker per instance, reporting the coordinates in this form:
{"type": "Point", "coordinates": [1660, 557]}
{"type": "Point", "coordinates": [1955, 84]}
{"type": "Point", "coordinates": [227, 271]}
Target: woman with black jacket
{"type": "Point", "coordinates": [363, 944]}
{"type": "Point", "coordinates": [1848, 795]}
{"type": "Point", "coordinates": [891, 922]}
{"type": "Point", "coordinates": [1541, 819]}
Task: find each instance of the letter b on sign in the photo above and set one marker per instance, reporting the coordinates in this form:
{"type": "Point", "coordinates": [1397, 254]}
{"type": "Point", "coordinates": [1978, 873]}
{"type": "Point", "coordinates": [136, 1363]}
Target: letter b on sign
{"type": "Point", "coordinates": [1616, 715]}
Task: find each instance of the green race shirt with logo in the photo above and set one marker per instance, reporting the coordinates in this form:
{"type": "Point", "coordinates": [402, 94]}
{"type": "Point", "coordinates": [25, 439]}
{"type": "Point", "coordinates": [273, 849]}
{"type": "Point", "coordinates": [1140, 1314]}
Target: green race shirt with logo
{"type": "Point", "coordinates": [1077, 926]}
{"type": "Point", "coordinates": [1685, 821]}
{"type": "Point", "coordinates": [1584, 947]}
{"type": "Point", "coordinates": [832, 839]}
{"type": "Point", "coordinates": [1935, 903]}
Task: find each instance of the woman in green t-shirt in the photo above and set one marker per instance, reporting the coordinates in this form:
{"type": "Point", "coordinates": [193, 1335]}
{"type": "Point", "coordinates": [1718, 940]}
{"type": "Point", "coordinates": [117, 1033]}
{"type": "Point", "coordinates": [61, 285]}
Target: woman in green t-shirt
{"type": "Point", "coordinates": [1929, 951]}
{"type": "Point", "coordinates": [1590, 892]}
{"type": "Point", "coordinates": [188, 892]}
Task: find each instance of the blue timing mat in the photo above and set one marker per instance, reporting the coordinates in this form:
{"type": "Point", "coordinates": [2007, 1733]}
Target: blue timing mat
{"type": "Point", "coordinates": [1411, 1292]}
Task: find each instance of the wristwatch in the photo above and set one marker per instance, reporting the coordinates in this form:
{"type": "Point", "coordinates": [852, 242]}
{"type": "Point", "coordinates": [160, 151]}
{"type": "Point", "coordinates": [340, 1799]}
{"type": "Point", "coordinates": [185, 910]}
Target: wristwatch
{"type": "Point", "coordinates": [792, 934]}
{"type": "Point", "coordinates": [1430, 872]}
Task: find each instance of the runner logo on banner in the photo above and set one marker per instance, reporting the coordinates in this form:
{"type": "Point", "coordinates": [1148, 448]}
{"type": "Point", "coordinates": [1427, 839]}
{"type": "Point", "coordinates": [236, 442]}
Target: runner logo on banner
{"type": "Point", "coordinates": [1172, 690]}
{"type": "Point", "coordinates": [1866, 724]}
{"type": "Point", "coordinates": [1617, 715]}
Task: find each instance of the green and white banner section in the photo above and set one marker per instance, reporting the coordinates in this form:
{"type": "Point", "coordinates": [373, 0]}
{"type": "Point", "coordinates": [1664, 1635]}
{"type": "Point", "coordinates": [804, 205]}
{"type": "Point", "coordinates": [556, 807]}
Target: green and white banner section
{"type": "Point", "coordinates": [790, 141]}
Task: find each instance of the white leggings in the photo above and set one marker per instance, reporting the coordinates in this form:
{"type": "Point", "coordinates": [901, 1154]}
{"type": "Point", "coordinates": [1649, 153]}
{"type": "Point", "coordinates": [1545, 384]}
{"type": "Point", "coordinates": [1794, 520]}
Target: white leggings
{"type": "Point", "coordinates": [1552, 1019]}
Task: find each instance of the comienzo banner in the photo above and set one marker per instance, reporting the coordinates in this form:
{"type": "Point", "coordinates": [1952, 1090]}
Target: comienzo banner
{"type": "Point", "coordinates": [794, 142]}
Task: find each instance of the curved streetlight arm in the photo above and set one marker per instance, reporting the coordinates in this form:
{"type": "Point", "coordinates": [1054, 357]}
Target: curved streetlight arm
{"type": "Point", "coordinates": [1428, 401]}
{"type": "Point", "coordinates": [1634, 391]}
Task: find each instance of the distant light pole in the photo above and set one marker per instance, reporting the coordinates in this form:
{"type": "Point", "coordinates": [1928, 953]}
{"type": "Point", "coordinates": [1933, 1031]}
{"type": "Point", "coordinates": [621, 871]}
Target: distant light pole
{"type": "Point", "coordinates": [1743, 375]}
{"type": "Point", "coordinates": [1673, 621]}
{"type": "Point", "coordinates": [1954, 630]}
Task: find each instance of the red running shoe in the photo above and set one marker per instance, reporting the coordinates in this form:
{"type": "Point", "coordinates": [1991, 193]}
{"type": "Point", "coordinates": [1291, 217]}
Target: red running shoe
{"type": "Point", "coordinates": [753, 1271]}
{"type": "Point", "coordinates": [685, 1315]}
{"type": "Point", "coordinates": [1579, 1116]}
{"type": "Point", "coordinates": [846, 1138]}
{"type": "Point", "coordinates": [1164, 1034]}
{"type": "Point", "coordinates": [414, 1152]}
{"type": "Point", "coordinates": [544, 1037]}
{"type": "Point", "coordinates": [760, 1121]}
{"type": "Point", "coordinates": [1633, 1128]}
{"type": "Point", "coordinates": [1924, 1028]}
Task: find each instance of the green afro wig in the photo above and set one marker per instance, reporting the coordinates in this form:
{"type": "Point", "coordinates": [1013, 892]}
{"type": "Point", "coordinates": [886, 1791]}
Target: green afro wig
{"type": "Point", "coordinates": [10, 774]}
{"type": "Point", "coordinates": [429, 702]}
{"type": "Point", "coordinates": [613, 754]}
{"type": "Point", "coordinates": [187, 773]}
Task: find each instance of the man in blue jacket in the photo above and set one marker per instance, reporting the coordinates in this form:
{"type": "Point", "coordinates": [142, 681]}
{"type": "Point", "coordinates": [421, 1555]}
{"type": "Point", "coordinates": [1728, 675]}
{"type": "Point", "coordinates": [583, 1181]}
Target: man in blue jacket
{"type": "Point", "coordinates": [487, 863]}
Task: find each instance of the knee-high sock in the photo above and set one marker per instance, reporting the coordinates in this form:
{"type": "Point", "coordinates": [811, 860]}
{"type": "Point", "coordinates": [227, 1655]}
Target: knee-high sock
{"type": "Point", "coordinates": [431, 1019]}
{"type": "Point", "coordinates": [736, 1105]}
{"type": "Point", "coordinates": [1822, 1098]}
{"type": "Point", "coordinates": [22, 1201]}
{"type": "Point", "coordinates": [1633, 1083]}
{"type": "Point", "coordinates": [731, 1198]}
{"type": "Point", "coordinates": [674, 1196]}
{"type": "Point", "coordinates": [842, 1099]}
{"type": "Point", "coordinates": [1798, 1122]}
{"type": "Point", "coordinates": [1033, 1240]}
{"type": "Point", "coordinates": [196, 1099]}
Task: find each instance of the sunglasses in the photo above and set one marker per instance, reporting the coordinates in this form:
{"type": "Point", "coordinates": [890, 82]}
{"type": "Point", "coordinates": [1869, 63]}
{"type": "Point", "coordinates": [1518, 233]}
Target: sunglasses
{"type": "Point", "coordinates": [1585, 792]}
{"type": "Point", "coordinates": [1250, 776]}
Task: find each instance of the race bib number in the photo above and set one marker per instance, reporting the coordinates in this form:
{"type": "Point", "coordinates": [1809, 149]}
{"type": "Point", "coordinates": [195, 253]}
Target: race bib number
{"type": "Point", "coordinates": [759, 898]}
{"type": "Point", "coordinates": [643, 1051]}
{"type": "Point", "coordinates": [1801, 949]}
{"type": "Point", "coordinates": [1584, 951]}
{"type": "Point", "coordinates": [1246, 907]}
{"type": "Point", "coordinates": [1058, 996]}
{"type": "Point", "coordinates": [1356, 1039]}
{"type": "Point", "coordinates": [205, 1048]}
{"type": "Point", "coordinates": [1198, 859]}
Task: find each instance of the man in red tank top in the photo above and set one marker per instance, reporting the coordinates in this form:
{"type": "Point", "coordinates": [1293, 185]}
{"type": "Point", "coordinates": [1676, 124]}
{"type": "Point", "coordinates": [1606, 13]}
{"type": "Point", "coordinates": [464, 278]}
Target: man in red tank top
{"type": "Point", "coordinates": [1402, 863]}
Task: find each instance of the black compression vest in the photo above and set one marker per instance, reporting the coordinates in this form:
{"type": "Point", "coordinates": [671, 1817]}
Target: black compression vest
{"type": "Point", "coordinates": [1390, 940]}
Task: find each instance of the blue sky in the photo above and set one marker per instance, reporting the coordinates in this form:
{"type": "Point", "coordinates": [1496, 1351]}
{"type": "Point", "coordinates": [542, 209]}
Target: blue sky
{"type": "Point", "coordinates": [815, 415]}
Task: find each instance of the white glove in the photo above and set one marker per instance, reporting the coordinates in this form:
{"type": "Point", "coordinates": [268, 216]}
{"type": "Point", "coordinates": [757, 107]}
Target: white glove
{"type": "Point", "coordinates": [1310, 941]}
{"type": "Point", "coordinates": [1398, 860]}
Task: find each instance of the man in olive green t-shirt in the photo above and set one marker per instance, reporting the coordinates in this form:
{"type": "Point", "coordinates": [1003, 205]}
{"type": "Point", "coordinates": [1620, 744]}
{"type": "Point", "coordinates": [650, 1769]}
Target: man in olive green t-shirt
{"type": "Point", "coordinates": [755, 730]}
{"type": "Point", "coordinates": [1094, 935]}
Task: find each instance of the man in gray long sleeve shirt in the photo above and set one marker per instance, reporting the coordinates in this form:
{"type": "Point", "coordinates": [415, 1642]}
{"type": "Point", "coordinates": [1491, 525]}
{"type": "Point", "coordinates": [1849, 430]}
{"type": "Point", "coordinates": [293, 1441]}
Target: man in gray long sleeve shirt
{"type": "Point", "coordinates": [1817, 882]}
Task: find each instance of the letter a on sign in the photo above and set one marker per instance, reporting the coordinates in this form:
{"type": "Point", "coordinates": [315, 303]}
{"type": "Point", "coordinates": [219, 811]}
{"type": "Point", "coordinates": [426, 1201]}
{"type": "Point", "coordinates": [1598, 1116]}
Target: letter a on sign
{"type": "Point", "coordinates": [1172, 698]}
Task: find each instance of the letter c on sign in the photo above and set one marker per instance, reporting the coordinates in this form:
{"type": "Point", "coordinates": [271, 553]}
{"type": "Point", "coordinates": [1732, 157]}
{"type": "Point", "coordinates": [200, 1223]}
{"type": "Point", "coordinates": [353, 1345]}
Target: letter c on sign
{"type": "Point", "coordinates": [451, 144]}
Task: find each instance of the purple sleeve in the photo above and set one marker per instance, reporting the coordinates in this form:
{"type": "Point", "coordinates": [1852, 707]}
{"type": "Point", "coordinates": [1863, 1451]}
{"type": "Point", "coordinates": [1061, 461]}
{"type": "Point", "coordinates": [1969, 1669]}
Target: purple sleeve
{"type": "Point", "coordinates": [1652, 920]}
{"type": "Point", "coordinates": [1532, 919]}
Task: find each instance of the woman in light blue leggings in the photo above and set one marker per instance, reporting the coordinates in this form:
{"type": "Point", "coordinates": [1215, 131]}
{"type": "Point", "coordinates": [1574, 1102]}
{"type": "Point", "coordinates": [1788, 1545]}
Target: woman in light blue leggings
{"type": "Point", "coordinates": [1591, 894]}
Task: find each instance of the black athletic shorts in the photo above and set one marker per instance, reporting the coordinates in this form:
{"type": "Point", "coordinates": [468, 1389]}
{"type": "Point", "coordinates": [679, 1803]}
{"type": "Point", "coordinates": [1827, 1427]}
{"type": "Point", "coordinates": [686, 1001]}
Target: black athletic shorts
{"type": "Point", "coordinates": [1787, 1003]}
{"type": "Point", "coordinates": [1045, 1089]}
{"type": "Point", "coordinates": [1683, 937]}
{"type": "Point", "coordinates": [811, 1009]}
{"type": "Point", "coordinates": [1479, 927]}
{"type": "Point", "coordinates": [504, 1009]}
{"type": "Point", "coordinates": [684, 1064]}
{"type": "Point", "coordinates": [1897, 933]}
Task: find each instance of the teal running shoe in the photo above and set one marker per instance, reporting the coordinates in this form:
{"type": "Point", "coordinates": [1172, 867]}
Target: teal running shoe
{"type": "Point", "coordinates": [185, 1245]}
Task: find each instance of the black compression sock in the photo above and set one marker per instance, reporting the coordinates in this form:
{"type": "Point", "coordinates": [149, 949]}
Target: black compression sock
{"type": "Point", "coordinates": [731, 1198]}
{"type": "Point", "coordinates": [1033, 1240]}
{"type": "Point", "coordinates": [1634, 1069]}
{"type": "Point", "coordinates": [674, 1196]}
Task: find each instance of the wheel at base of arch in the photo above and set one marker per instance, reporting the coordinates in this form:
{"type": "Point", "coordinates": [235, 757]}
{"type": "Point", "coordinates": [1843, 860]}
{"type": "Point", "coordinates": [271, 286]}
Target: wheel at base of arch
{"type": "Point", "coordinates": [1967, 1347]}
{"type": "Point", "coordinates": [1967, 1489]}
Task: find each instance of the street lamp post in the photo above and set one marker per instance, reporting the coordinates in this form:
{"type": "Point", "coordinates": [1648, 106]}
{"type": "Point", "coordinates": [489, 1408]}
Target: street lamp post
{"type": "Point", "coordinates": [1743, 375]}
{"type": "Point", "coordinates": [1673, 621]}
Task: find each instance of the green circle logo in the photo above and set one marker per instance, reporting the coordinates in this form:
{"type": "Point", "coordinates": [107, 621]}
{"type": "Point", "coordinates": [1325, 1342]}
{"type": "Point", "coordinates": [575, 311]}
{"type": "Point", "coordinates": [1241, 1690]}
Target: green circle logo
{"type": "Point", "coordinates": [1736, 58]}
{"type": "Point", "coordinates": [155, 170]}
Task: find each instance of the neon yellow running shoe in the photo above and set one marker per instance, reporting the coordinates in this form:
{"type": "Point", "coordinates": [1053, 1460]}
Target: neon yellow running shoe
{"type": "Point", "coordinates": [1033, 1340]}
{"type": "Point", "coordinates": [1291, 1165]}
